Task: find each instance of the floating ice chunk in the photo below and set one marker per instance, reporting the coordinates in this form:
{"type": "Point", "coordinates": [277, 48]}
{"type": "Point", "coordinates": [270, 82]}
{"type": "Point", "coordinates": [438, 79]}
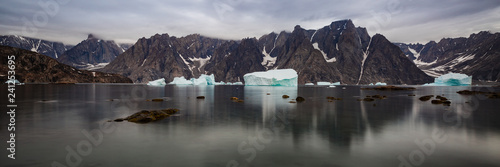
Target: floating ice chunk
{"type": "Point", "coordinates": [332, 86]}
{"type": "Point", "coordinates": [15, 81]}
{"type": "Point", "coordinates": [202, 80]}
{"type": "Point", "coordinates": [158, 82]}
{"type": "Point", "coordinates": [238, 83]}
{"type": "Point", "coordinates": [281, 77]}
{"type": "Point", "coordinates": [452, 79]}
{"type": "Point", "coordinates": [336, 83]}
{"type": "Point", "coordinates": [323, 83]}
{"type": "Point", "coordinates": [181, 81]}
{"type": "Point", "coordinates": [309, 84]}
{"type": "Point", "coordinates": [378, 83]}
{"type": "Point", "coordinates": [220, 83]}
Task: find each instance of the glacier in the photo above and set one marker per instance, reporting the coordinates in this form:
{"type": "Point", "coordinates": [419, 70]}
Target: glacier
{"type": "Point", "coordinates": [158, 82]}
{"type": "Point", "coordinates": [202, 80]}
{"type": "Point", "coordinates": [281, 77]}
{"type": "Point", "coordinates": [452, 79]}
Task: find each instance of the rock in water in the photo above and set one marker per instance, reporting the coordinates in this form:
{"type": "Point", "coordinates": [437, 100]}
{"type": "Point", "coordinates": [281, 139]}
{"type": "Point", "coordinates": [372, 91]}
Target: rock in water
{"type": "Point", "coordinates": [146, 116]}
{"type": "Point", "coordinates": [300, 99]}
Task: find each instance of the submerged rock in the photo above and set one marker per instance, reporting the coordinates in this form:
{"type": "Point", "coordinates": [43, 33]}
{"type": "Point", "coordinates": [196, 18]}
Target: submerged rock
{"type": "Point", "coordinates": [200, 97]}
{"type": "Point", "coordinates": [157, 100]}
{"type": "Point", "coordinates": [426, 98]}
{"type": "Point", "coordinates": [146, 116]}
{"type": "Point", "coordinates": [368, 99]}
{"type": "Point", "coordinates": [491, 95]}
{"type": "Point", "coordinates": [300, 99]}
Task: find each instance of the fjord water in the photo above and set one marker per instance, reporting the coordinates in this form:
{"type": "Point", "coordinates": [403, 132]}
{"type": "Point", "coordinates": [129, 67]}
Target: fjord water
{"type": "Point", "coordinates": [265, 130]}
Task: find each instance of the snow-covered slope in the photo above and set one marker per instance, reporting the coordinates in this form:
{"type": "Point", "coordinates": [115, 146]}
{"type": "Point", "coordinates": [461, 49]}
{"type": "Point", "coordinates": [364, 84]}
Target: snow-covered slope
{"type": "Point", "coordinates": [47, 48]}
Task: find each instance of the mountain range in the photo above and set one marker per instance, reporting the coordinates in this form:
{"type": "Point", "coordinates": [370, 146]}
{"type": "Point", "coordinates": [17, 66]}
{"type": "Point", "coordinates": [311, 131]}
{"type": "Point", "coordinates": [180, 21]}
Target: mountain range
{"type": "Point", "coordinates": [338, 52]}
{"type": "Point", "coordinates": [32, 67]}
{"type": "Point", "coordinates": [478, 56]}
{"type": "Point", "coordinates": [48, 48]}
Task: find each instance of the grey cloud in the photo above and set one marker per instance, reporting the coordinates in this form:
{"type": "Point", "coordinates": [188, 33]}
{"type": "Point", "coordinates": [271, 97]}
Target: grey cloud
{"type": "Point", "coordinates": [126, 21]}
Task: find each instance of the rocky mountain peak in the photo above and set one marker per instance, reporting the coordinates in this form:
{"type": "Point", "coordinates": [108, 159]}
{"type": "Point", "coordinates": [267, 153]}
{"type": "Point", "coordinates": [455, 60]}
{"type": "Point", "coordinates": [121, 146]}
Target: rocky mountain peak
{"type": "Point", "coordinates": [91, 36]}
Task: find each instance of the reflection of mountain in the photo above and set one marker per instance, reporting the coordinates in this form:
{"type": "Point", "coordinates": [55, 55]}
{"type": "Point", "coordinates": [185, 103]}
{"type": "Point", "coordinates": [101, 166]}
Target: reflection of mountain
{"type": "Point", "coordinates": [347, 121]}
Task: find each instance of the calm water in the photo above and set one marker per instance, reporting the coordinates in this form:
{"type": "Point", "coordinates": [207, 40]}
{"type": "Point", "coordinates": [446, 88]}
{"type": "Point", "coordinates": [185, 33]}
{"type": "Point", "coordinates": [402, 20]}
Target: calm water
{"type": "Point", "coordinates": [53, 123]}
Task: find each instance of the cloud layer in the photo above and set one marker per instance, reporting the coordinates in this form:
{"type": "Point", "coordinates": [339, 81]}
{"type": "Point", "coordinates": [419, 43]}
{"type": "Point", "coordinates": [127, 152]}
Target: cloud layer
{"type": "Point", "coordinates": [70, 21]}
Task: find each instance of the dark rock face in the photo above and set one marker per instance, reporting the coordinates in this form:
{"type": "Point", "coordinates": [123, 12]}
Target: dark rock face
{"type": "Point", "coordinates": [91, 51]}
{"type": "Point", "coordinates": [387, 63]}
{"type": "Point", "coordinates": [478, 55]}
{"type": "Point", "coordinates": [33, 67]}
{"type": "Point", "coordinates": [299, 54]}
{"type": "Point", "coordinates": [162, 56]}
{"type": "Point", "coordinates": [410, 50]}
{"type": "Point", "coordinates": [47, 48]}
{"type": "Point", "coordinates": [334, 53]}
{"type": "Point", "coordinates": [245, 58]}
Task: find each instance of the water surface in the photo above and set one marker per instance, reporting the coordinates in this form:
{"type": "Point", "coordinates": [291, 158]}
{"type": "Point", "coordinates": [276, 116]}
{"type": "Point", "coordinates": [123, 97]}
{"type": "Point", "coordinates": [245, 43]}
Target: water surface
{"type": "Point", "coordinates": [265, 130]}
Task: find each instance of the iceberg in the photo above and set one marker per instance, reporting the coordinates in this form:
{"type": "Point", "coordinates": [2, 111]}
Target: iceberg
{"type": "Point", "coordinates": [281, 77]}
{"type": "Point", "coordinates": [452, 79]}
{"type": "Point", "coordinates": [327, 83]}
{"type": "Point", "coordinates": [202, 80]}
{"type": "Point", "coordinates": [323, 83]}
{"type": "Point", "coordinates": [379, 83]}
{"type": "Point", "coordinates": [309, 84]}
{"type": "Point", "coordinates": [14, 81]}
{"type": "Point", "coordinates": [158, 82]}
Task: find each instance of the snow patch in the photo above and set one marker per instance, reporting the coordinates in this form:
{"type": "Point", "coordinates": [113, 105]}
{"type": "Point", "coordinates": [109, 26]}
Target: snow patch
{"type": "Point", "coordinates": [365, 55]}
{"type": "Point", "coordinates": [95, 67]}
{"type": "Point", "coordinates": [202, 61]}
{"type": "Point", "coordinates": [267, 60]}
{"type": "Point", "coordinates": [315, 45]}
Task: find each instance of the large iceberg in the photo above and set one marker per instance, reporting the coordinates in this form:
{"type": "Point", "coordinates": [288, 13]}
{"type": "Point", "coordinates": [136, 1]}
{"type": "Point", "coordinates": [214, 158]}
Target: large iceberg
{"type": "Point", "coordinates": [202, 80]}
{"type": "Point", "coordinates": [452, 79]}
{"type": "Point", "coordinates": [281, 77]}
{"type": "Point", "coordinates": [158, 82]}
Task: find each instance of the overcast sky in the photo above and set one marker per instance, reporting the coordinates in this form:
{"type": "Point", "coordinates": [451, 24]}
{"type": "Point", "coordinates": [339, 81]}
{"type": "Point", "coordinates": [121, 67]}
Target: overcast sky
{"type": "Point", "coordinates": [70, 21]}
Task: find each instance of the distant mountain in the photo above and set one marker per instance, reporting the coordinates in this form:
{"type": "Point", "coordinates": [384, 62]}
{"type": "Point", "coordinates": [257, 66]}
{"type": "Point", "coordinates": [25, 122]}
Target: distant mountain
{"type": "Point", "coordinates": [91, 53]}
{"type": "Point", "coordinates": [339, 52]}
{"type": "Point", "coordinates": [478, 55]}
{"type": "Point", "coordinates": [32, 67]}
{"type": "Point", "coordinates": [47, 48]}
{"type": "Point", "coordinates": [125, 46]}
